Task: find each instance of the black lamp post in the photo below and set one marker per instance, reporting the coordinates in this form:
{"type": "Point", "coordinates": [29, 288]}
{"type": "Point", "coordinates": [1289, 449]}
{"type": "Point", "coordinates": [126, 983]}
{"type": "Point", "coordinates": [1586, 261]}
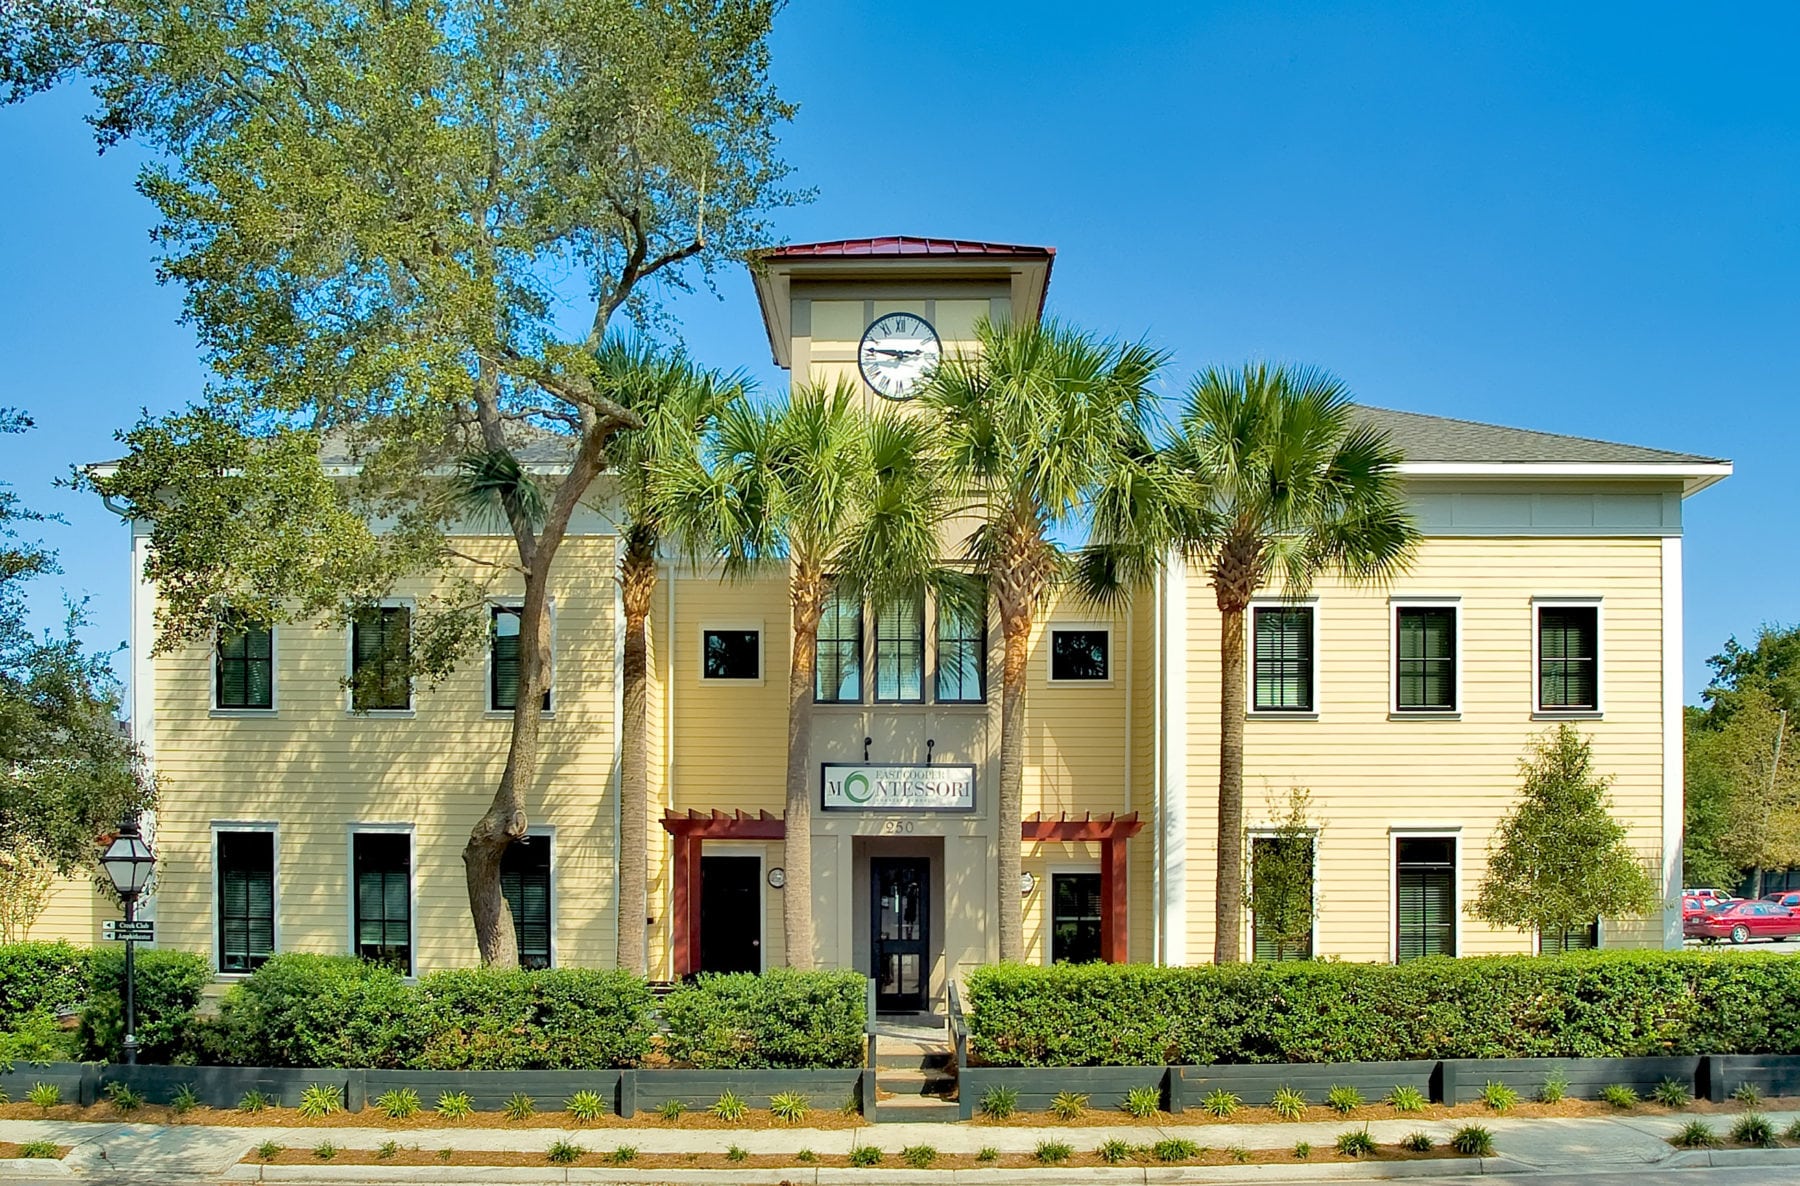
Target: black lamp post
{"type": "Point", "coordinates": [128, 862]}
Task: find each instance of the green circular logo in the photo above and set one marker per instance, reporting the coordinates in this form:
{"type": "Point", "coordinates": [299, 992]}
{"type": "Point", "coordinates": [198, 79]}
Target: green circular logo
{"type": "Point", "coordinates": [856, 788]}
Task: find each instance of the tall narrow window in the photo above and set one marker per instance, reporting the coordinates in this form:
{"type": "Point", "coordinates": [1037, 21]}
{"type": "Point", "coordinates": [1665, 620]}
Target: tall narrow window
{"type": "Point", "coordinates": [1282, 658]}
{"type": "Point", "coordinates": [382, 863]}
{"type": "Point", "coordinates": [246, 902]}
{"type": "Point", "coordinates": [1425, 876]}
{"type": "Point", "coordinates": [525, 880]}
{"type": "Point", "coordinates": [962, 647]}
{"type": "Point", "coordinates": [1425, 658]}
{"type": "Point", "coordinates": [244, 668]}
{"type": "Point", "coordinates": [1568, 658]}
{"type": "Point", "coordinates": [503, 660]}
{"type": "Point", "coordinates": [839, 675]}
{"type": "Point", "coordinates": [900, 649]}
{"type": "Point", "coordinates": [1281, 897]}
{"type": "Point", "coordinates": [380, 659]}
{"type": "Point", "coordinates": [1074, 918]}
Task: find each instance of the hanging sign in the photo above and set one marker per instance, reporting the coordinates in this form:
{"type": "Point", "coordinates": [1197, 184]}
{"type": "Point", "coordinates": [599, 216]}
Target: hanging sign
{"type": "Point", "coordinates": [849, 787]}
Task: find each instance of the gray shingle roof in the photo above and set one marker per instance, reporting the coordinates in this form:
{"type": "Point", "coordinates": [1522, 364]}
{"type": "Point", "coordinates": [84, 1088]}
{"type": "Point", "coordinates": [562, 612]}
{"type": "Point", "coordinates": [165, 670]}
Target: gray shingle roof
{"type": "Point", "coordinates": [1439, 438]}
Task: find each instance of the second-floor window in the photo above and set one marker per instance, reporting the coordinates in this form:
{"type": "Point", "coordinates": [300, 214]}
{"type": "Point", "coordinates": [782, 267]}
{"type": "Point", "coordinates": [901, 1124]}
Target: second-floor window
{"type": "Point", "coordinates": [900, 649]}
{"type": "Point", "coordinates": [244, 665]}
{"type": "Point", "coordinates": [1568, 675]}
{"type": "Point", "coordinates": [381, 659]}
{"type": "Point", "coordinates": [731, 654]}
{"type": "Point", "coordinates": [839, 673]}
{"type": "Point", "coordinates": [1079, 655]}
{"type": "Point", "coordinates": [503, 660]}
{"type": "Point", "coordinates": [962, 648]}
{"type": "Point", "coordinates": [1281, 660]}
{"type": "Point", "coordinates": [1425, 658]}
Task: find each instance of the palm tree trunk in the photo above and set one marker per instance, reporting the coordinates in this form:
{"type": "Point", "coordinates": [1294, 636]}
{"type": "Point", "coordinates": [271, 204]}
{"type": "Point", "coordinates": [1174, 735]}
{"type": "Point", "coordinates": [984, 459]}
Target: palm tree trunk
{"type": "Point", "coordinates": [637, 585]}
{"type": "Point", "coordinates": [808, 597]}
{"type": "Point", "coordinates": [1228, 894]}
{"type": "Point", "coordinates": [1015, 624]}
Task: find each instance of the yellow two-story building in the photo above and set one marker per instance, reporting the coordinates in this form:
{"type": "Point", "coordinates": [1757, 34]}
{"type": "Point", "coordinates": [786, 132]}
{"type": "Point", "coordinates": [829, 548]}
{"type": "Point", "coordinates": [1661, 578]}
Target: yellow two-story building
{"type": "Point", "coordinates": [299, 816]}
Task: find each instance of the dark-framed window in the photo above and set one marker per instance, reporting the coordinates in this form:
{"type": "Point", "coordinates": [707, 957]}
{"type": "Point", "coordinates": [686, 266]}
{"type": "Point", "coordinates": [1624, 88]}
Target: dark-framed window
{"type": "Point", "coordinates": [381, 658]}
{"type": "Point", "coordinates": [525, 880]}
{"type": "Point", "coordinates": [503, 659]}
{"type": "Point", "coordinates": [838, 679]}
{"type": "Point", "coordinates": [1585, 938]}
{"type": "Point", "coordinates": [244, 663]}
{"type": "Point", "coordinates": [1568, 676]}
{"type": "Point", "coordinates": [900, 649]}
{"type": "Point", "coordinates": [1425, 658]}
{"type": "Point", "coordinates": [1281, 658]}
{"type": "Point", "coordinates": [1074, 918]}
{"type": "Point", "coordinates": [382, 863]}
{"type": "Point", "coordinates": [731, 654]}
{"type": "Point", "coordinates": [1077, 655]}
{"type": "Point", "coordinates": [246, 892]}
{"type": "Point", "coordinates": [1425, 880]}
{"type": "Point", "coordinates": [1273, 937]}
{"type": "Point", "coordinates": [962, 647]}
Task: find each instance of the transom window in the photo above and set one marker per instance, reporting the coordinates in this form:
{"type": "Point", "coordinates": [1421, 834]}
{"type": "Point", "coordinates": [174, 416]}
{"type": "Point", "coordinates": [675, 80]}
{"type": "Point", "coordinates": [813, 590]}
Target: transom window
{"type": "Point", "coordinates": [381, 658]}
{"type": "Point", "coordinates": [839, 675]}
{"type": "Point", "coordinates": [962, 647]}
{"type": "Point", "coordinates": [900, 649]}
{"type": "Point", "coordinates": [1079, 655]}
{"type": "Point", "coordinates": [1074, 918]}
{"type": "Point", "coordinates": [1425, 880]}
{"type": "Point", "coordinates": [246, 902]}
{"type": "Point", "coordinates": [1425, 658]}
{"type": "Point", "coordinates": [1281, 660]}
{"type": "Point", "coordinates": [731, 654]}
{"type": "Point", "coordinates": [382, 865]}
{"type": "Point", "coordinates": [525, 881]}
{"type": "Point", "coordinates": [1568, 676]}
{"type": "Point", "coordinates": [503, 659]}
{"type": "Point", "coordinates": [244, 666]}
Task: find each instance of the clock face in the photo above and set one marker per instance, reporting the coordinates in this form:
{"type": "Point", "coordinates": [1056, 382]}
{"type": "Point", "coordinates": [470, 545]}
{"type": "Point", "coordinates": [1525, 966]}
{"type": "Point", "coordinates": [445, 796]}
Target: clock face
{"type": "Point", "coordinates": [897, 352]}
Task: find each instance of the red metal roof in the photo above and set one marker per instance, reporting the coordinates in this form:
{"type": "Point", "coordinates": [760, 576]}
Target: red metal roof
{"type": "Point", "coordinates": [892, 245]}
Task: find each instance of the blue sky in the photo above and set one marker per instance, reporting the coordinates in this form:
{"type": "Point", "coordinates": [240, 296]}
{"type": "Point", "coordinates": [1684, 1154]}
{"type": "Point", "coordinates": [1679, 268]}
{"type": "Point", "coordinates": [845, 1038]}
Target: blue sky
{"type": "Point", "coordinates": [1577, 218]}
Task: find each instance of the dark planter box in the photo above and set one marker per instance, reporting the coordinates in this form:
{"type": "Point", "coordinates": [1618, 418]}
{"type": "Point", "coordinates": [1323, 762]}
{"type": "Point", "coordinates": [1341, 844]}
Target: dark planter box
{"type": "Point", "coordinates": [79, 1082]}
{"type": "Point", "coordinates": [697, 1090]}
{"type": "Point", "coordinates": [1771, 1074]}
{"type": "Point", "coordinates": [1257, 1083]}
{"type": "Point", "coordinates": [488, 1090]}
{"type": "Point", "coordinates": [225, 1087]}
{"type": "Point", "coordinates": [1105, 1087]}
{"type": "Point", "coordinates": [1465, 1077]}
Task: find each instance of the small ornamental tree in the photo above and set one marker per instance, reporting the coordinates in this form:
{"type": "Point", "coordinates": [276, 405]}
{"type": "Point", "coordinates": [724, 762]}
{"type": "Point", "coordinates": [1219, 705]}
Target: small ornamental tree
{"type": "Point", "coordinates": [1279, 883]}
{"type": "Point", "coordinates": [1560, 860]}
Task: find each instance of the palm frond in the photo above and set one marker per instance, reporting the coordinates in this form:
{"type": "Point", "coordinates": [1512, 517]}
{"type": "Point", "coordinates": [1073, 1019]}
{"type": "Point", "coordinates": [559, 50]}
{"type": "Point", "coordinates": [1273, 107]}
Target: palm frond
{"type": "Point", "coordinates": [490, 487]}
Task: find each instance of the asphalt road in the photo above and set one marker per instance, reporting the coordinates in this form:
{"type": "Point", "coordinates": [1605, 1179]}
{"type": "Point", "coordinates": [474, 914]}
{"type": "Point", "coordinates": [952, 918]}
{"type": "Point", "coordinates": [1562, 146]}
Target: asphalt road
{"type": "Point", "coordinates": [1575, 1177]}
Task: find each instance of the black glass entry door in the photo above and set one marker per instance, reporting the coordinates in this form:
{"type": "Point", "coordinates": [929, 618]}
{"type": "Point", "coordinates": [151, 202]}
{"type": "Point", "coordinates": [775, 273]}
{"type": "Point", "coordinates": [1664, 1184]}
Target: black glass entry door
{"type": "Point", "coordinates": [900, 933]}
{"type": "Point", "coordinates": [730, 914]}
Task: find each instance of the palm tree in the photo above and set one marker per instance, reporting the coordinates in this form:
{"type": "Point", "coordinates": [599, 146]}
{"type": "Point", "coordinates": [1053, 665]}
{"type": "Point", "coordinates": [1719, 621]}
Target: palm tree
{"type": "Point", "coordinates": [1293, 487]}
{"type": "Point", "coordinates": [1045, 431]}
{"type": "Point", "coordinates": [850, 504]}
{"type": "Point", "coordinates": [676, 402]}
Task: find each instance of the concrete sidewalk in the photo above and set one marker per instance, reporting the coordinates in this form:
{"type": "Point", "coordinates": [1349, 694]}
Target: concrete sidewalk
{"type": "Point", "coordinates": [120, 1151]}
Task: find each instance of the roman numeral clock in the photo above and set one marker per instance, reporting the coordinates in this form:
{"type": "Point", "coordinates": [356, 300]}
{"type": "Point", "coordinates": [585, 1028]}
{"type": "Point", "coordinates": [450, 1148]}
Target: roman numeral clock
{"type": "Point", "coordinates": [897, 354]}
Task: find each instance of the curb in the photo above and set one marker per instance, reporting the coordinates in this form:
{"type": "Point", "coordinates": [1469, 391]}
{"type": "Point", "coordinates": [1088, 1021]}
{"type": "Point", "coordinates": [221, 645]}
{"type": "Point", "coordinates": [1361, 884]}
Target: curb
{"type": "Point", "coordinates": [34, 1167]}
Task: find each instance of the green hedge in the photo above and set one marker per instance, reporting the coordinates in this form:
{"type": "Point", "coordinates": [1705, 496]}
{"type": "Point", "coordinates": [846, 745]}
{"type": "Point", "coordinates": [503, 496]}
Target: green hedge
{"type": "Point", "coordinates": [782, 1018]}
{"type": "Point", "coordinates": [169, 984]}
{"type": "Point", "coordinates": [516, 1020]}
{"type": "Point", "coordinates": [319, 1011]}
{"type": "Point", "coordinates": [1585, 1005]}
{"type": "Point", "coordinates": [41, 978]}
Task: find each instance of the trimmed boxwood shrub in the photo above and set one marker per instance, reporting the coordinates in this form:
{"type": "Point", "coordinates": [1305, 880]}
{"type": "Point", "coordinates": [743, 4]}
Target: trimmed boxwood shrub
{"type": "Point", "coordinates": [1582, 1005]}
{"type": "Point", "coordinates": [41, 978]}
{"type": "Point", "coordinates": [169, 984]}
{"type": "Point", "coordinates": [321, 1011]}
{"type": "Point", "coordinates": [782, 1018]}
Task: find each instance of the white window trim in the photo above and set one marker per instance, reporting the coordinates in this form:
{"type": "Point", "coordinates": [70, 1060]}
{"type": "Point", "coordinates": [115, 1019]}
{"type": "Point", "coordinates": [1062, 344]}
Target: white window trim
{"type": "Point", "coordinates": [1538, 711]}
{"type": "Point", "coordinates": [412, 692]}
{"type": "Point", "coordinates": [1279, 714]}
{"type": "Point", "coordinates": [934, 652]}
{"type": "Point", "coordinates": [759, 850]}
{"type": "Point", "coordinates": [212, 682]}
{"type": "Point", "coordinates": [1265, 832]}
{"type": "Point", "coordinates": [274, 830]}
{"type": "Point", "coordinates": [762, 652]}
{"type": "Point", "coordinates": [1422, 832]}
{"type": "Point", "coordinates": [1051, 630]}
{"type": "Point", "coordinates": [412, 885]}
{"type": "Point", "coordinates": [1395, 605]}
{"type": "Point", "coordinates": [548, 831]}
{"type": "Point", "coordinates": [487, 662]}
{"type": "Point", "coordinates": [1051, 870]}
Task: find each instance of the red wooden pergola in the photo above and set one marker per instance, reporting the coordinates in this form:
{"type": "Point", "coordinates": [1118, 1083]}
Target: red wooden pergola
{"type": "Point", "coordinates": [1111, 831]}
{"type": "Point", "coordinates": [690, 829]}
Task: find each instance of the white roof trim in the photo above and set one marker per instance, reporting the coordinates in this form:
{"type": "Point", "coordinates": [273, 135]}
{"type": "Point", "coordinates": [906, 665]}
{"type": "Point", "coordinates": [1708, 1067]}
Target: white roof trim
{"type": "Point", "coordinates": [1697, 476]}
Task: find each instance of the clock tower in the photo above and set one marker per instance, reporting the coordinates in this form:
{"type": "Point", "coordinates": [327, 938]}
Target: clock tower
{"type": "Point", "coordinates": [881, 313]}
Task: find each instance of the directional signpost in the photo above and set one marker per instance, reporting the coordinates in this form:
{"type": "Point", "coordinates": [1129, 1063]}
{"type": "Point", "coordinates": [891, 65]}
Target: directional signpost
{"type": "Point", "coordinates": [140, 930]}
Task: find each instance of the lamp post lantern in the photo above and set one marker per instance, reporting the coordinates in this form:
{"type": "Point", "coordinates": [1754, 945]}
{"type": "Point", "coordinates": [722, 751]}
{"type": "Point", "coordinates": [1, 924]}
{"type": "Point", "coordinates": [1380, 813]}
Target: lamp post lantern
{"type": "Point", "coordinates": [128, 862]}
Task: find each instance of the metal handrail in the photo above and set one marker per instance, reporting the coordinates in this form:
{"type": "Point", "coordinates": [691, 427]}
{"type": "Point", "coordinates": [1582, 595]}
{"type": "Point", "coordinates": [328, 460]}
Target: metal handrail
{"type": "Point", "coordinates": [958, 1027]}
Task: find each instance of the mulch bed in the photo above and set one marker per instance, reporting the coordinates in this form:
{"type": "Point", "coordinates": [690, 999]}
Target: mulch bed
{"type": "Point", "coordinates": [370, 1117]}
{"type": "Point", "coordinates": [12, 1149]}
{"type": "Point", "coordinates": [1319, 1114]}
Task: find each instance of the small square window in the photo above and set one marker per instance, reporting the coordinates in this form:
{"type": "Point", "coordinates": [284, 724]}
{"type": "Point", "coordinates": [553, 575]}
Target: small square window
{"type": "Point", "coordinates": [732, 654]}
{"type": "Point", "coordinates": [1079, 655]}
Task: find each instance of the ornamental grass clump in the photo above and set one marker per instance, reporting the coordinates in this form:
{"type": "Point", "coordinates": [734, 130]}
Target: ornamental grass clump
{"type": "Point", "coordinates": [320, 1100]}
{"type": "Point", "coordinates": [585, 1106]}
{"type": "Point", "coordinates": [1342, 1099]}
{"type": "Point", "coordinates": [1114, 1151]}
{"type": "Point", "coordinates": [1498, 1096]}
{"type": "Point", "coordinates": [1356, 1143]}
{"type": "Point", "coordinates": [455, 1105]}
{"type": "Point", "coordinates": [919, 1157]}
{"type": "Point", "coordinates": [185, 1099]}
{"type": "Point", "coordinates": [999, 1101]}
{"type": "Point", "coordinates": [1221, 1103]}
{"type": "Point", "coordinates": [623, 1155]}
{"type": "Point", "coordinates": [1754, 1129]}
{"type": "Point", "coordinates": [1171, 1149]}
{"type": "Point", "coordinates": [730, 1107]}
{"type": "Point", "coordinates": [400, 1103]}
{"type": "Point", "coordinates": [1472, 1140]}
{"type": "Point", "coordinates": [563, 1153]}
{"type": "Point", "coordinates": [518, 1106]}
{"type": "Point", "coordinates": [1748, 1094]}
{"type": "Point", "coordinates": [1696, 1134]}
{"type": "Point", "coordinates": [1620, 1096]}
{"type": "Point", "coordinates": [1672, 1093]}
{"type": "Point", "coordinates": [1143, 1102]}
{"type": "Point", "coordinates": [789, 1106]}
{"type": "Point", "coordinates": [1555, 1088]}
{"type": "Point", "coordinates": [1288, 1103]}
{"type": "Point", "coordinates": [1068, 1105]}
{"type": "Point", "coordinates": [737, 1153]}
{"type": "Point", "coordinates": [1417, 1142]}
{"type": "Point", "coordinates": [1406, 1099]}
{"type": "Point", "coordinates": [670, 1109]}
{"type": "Point", "coordinates": [123, 1098]}
{"type": "Point", "coordinates": [325, 1151]}
{"type": "Point", "coordinates": [1054, 1152]}
{"type": "Point", "coordinates": [268, 1151]}
{"type": "Point", "coordinates": [254, 1101]}
{"type": "Point", "coordinates": [987, 1154]}
{"type": "Point", "coordinates": [44, 1095]}
{"type": "Point", "coordinates": [864, 1156]}
{"type": "Point", "coordinates": [40, 1150]}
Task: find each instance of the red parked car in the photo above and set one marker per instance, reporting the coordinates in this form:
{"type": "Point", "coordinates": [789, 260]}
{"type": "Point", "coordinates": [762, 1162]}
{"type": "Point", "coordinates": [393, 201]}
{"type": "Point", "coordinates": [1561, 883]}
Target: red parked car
{"type": "Point", "coordinates": [1741, 922]}
{"type": "Point", "coordinates": [1787, 898]}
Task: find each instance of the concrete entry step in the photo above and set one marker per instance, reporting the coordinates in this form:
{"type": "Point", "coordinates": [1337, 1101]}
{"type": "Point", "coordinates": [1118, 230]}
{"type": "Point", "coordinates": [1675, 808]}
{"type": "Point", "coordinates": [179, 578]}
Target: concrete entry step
{"type": "Point", "coordinates": [888, 1059]}
{"type": "Point", "coordinates": [915, 1109]}
{"type": "Point", "coordinates": [916, 1082]}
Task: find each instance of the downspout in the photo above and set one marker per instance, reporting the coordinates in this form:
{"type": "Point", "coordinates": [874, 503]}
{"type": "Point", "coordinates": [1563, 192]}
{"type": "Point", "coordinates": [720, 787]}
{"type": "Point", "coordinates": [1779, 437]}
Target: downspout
{"type": "Point", "coordinates": [671, 575]}
{"type": "Point", "coordinates": [1156, 765]}
{"type": "Point", "coordinates": [618, 735]}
